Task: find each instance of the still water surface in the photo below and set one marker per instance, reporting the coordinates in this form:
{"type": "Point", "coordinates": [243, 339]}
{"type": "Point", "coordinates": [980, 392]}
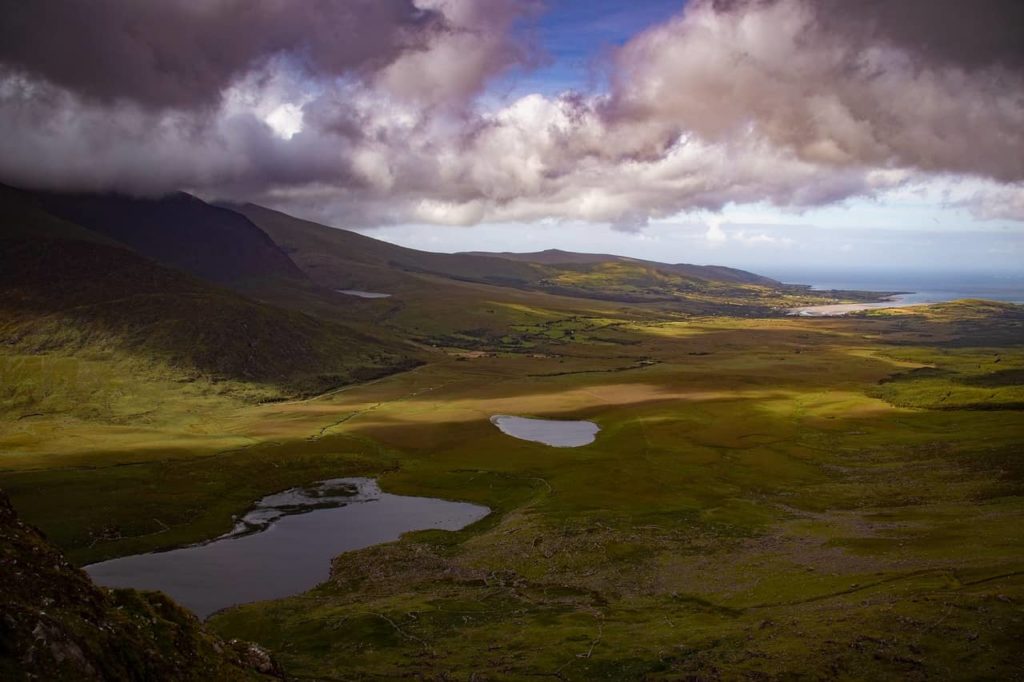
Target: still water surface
{"type": "Point", "coordinates": [558, 433]}
{"type": "Point", "coordinates": [362, 294]}
{"type": "Point", "coordinates": [284, 545]}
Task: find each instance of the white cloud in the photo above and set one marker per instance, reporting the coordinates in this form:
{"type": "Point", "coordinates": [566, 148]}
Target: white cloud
{"type": "Point", "coordinates": [715, 233]}
{"type": "Point", "coordinates": [285, 120]}
{"type": "Point", "coordinates": [761, 105]}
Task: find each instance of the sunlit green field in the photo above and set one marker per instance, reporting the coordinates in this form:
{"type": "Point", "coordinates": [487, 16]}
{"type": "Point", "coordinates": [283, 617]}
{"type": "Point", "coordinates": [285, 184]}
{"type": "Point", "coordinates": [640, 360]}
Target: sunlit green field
{"type": "Point", "coordinates": [767, 498]}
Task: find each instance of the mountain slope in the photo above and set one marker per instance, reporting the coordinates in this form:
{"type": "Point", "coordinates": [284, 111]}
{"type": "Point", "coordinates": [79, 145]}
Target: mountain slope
{"type": "Point", "coordinates": [557, 257]}
{"type": "Point", "coordinates": [179, 231]}
{"type": "Point", "coordinates": [341, 258]}
{"type": "Point", "coordinates": [63, 287]}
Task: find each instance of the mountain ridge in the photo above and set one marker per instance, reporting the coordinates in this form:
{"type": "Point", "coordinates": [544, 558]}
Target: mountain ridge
{"type": "Point", "coordinates": [177, 230]}
{"type": "Point", "coordinates": [298, 236]}
{"type": "Point", "coordinates": [343, 259]}
{"type": "Point", "coordinates": [721, 273]}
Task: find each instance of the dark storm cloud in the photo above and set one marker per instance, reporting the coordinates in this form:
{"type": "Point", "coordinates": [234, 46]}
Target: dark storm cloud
{"type": "Point", "coordinates": [969, 33]}
{"type": "Point", "coordinates": [794, 102]}
{"type": "Point", "coordinates": [184, 53]}
{"type": "Point", "coordinates": [158, 109]}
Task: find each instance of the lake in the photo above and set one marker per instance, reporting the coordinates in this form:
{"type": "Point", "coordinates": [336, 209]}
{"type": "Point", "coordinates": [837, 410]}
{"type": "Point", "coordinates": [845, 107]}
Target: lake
{"type": "Point", "coordinates": [362, 294]}
{"type": "Point", "coordinates": [284, 544]}
{"type": "Point", "coordinates": [554, 432]}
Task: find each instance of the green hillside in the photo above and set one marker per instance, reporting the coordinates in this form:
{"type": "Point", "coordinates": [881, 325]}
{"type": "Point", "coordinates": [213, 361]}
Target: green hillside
{"type": "Point", "coordinates": [768, 497]}
{"type": "Point", "coordinates": [68, 290]}
{"type": "Point", "coordinates": [342, 259]}
{"type": "Point", "coordinates": [557, 257]}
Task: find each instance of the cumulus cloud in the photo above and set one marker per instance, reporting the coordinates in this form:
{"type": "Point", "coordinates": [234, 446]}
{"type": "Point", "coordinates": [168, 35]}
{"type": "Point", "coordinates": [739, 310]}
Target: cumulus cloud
{"type": "Point", "coordinates": [277, 110]}
{"type": "Point", "coordinates": [64, 142]}
{"type": "Point", "coordinates": [837, 87]}
{"type": "Point", "coordinates": [367, 112]}
{"type": "Point", "coordinates": [478, 44]}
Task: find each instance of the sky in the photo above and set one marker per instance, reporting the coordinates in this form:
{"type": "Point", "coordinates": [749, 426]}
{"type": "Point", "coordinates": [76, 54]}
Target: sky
{"type": "Point", "coordinates": [767, 134]}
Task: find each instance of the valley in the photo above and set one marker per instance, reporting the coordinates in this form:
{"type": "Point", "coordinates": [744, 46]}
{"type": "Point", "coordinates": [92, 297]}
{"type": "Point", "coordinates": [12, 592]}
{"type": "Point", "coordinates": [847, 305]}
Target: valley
{"type": "Point", "coordinates": [766, 496]}
{"type": "Point", "coordinates": [511, 340]}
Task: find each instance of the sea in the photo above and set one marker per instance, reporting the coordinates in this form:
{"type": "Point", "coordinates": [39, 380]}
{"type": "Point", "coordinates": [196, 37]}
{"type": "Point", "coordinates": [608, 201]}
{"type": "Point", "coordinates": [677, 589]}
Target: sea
{"type": "Point", "coordinates": [915, 287]}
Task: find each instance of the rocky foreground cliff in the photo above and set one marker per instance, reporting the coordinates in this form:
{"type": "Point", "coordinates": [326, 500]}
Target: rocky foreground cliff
{"type": "Point", "coordinates": [56, 624]}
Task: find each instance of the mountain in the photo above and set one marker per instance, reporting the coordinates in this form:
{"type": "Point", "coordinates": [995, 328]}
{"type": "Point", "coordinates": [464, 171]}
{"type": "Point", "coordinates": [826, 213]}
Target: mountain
{"type": "Point", "coordinates": [557, 257]}
{"type": "Point", "coordinates": [66, 287]}
{"type": "Point", "coordinates": [178, 231]}
{"type": "Point", "coordinates": [341, 259]}
{"type": "Point", "coordinates": [57, 624]}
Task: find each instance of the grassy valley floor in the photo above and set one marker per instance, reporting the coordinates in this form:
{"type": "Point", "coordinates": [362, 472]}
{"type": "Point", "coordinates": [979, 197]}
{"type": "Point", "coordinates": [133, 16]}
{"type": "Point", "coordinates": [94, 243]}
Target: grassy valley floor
{"type": "Point", "coordinates": [768, 498]}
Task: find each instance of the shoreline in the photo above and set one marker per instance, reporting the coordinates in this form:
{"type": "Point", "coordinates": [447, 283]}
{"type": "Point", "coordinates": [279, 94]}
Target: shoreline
{"type": "Point", "coordinates": [840, 309]}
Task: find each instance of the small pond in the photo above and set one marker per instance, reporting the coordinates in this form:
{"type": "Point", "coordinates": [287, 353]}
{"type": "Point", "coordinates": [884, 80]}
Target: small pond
{"type": "Point", "coordinates": [362, 294]}
{"type": "Point", "coordinates": [284, 545]}
{"type": "Point", "coordinates": [554, 432]}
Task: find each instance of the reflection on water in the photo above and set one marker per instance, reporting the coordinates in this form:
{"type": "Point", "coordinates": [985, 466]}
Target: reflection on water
{"type": "Point", "coordinates": [363, 294]}
{"type": "Point", "coordinates": [284, 545]}
{"type": "Point", "coordinates": [560, 434]}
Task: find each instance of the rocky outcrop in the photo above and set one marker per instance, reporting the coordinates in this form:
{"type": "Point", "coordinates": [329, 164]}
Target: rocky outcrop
{"type": "Point", "coordinates": [56, 624]}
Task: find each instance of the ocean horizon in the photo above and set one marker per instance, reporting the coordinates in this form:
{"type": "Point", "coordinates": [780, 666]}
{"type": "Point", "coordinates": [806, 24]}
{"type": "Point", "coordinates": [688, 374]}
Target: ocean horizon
{"type": "Point", "coordinates": [915, 287]}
